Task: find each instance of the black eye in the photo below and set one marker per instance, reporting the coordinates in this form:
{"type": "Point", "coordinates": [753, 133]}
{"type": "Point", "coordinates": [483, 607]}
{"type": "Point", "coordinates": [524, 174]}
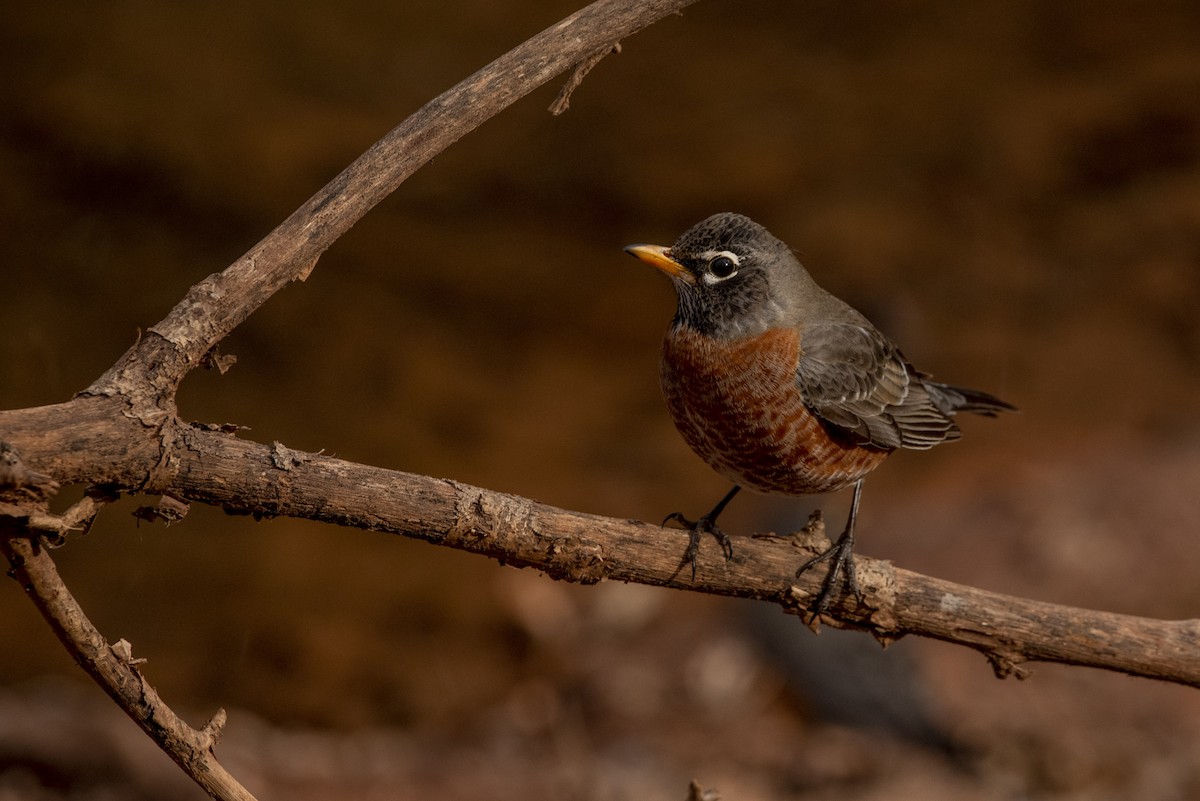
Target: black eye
{"type": "Point", "coordinates": [722, 267]}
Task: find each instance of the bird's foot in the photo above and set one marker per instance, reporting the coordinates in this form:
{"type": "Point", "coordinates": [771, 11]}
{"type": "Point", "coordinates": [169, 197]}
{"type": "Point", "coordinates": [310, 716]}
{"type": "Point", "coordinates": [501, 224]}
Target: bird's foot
{"type": "Point", "coordinates": [840, 556]}
{"type": "Point", "coordinates": [696, 530]}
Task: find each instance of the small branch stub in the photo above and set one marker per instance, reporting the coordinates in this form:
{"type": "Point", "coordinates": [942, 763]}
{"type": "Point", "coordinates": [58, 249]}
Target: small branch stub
{"type": "Point", "coordinates": [563, 101]}
{"type": "Point", "coordinates": [215, 727]}
{"type": "Point", "coordinates": [696, 792]}
{"type": "Point", "coordinates": [169, 510]}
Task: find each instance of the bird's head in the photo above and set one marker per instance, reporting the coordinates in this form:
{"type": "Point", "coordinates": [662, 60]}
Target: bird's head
{"type": "Point", "coordinates": [733, 278]}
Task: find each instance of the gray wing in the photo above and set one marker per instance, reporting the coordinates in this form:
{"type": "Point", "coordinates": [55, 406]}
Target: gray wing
{"type": "Point", "coordinates": [857, 381]}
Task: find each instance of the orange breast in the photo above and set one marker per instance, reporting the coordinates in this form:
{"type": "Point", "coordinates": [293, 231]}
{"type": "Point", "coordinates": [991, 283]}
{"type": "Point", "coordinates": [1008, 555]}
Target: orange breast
{"type": "Point", "coordinates": [737, 405]}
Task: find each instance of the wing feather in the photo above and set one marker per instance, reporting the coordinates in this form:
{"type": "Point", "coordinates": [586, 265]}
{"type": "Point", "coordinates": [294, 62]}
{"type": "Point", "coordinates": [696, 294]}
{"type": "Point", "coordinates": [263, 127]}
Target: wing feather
{"type": "Point", "coordinates": [857, 381]}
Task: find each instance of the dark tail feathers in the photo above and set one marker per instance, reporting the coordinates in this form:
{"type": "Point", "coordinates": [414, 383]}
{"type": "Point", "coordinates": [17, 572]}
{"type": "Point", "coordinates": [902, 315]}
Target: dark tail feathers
{"type": "Point", "coordinates": [950, 400]}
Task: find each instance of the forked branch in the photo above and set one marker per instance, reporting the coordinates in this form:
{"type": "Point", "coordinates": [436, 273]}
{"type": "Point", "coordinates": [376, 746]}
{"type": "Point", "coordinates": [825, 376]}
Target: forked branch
{"type": "Point", "coordinates": [132, 435]}
{"type": "Point", "coordinates": [123, 433]}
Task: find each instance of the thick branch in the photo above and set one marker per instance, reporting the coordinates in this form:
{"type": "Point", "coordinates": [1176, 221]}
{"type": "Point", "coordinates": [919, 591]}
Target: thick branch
{"type": "Point", "coordinates": [251, 478]}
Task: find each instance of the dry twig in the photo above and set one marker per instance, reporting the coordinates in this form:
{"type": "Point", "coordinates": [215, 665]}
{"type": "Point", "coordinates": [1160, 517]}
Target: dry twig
{"type": "Point", "coordinates": [116, 670]}
{"type": "Point", "coordinates": [563, 101]}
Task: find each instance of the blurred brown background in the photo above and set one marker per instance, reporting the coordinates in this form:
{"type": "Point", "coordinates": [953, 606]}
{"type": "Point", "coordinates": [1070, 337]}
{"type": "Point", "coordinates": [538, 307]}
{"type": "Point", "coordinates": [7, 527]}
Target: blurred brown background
{"type": "Point", "coordinates": [1011, 190]}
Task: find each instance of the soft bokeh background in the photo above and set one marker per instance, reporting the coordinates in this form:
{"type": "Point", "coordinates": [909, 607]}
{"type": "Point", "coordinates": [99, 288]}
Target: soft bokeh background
{"type": "Point", "coordinates": [1010, 189]}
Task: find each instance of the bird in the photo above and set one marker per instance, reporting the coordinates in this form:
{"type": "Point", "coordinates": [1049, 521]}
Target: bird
{"type": "Point", "coordinates": [783, 388]}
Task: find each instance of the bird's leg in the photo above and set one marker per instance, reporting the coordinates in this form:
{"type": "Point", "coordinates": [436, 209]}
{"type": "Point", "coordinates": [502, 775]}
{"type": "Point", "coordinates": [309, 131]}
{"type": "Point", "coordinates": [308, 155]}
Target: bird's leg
{"type": "Point", "coordinates": [840, 556]}
{"type": "Point", "coordinates": [707, 524]}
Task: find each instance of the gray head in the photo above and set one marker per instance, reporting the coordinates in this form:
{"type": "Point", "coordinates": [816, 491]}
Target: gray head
{"type": "Point", "coordinates": [734, 278]}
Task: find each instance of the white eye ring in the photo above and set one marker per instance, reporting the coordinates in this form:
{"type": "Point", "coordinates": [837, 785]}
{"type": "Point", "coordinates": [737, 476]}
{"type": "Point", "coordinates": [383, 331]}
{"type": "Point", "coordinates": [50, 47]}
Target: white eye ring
{"type": "Point", "coordinates": [721, 266]}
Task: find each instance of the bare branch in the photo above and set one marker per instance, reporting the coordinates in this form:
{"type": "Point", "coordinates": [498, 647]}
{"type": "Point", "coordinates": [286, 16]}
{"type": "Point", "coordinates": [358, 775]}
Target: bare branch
{"type": "Point", "coordinates": [244, 476]}
{"type": "Point", "coordinates": [123, 432]}
{"type": "Point", "coordinates": [128, 415]}
{"type": "Point", "coordinates": [150, 372]}
{"type": "Point", "coordinates": [114, 668]}
{"type": "Point", "coordinates": [266, 481]}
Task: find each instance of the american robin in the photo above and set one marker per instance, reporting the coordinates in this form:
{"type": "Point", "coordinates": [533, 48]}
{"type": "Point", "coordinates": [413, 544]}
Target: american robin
{"type": "Point", "coordinates": [783, 388]}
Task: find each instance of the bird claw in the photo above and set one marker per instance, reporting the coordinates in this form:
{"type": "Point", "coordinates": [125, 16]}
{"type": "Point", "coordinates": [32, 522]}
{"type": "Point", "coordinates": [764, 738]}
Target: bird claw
{"type": "Point", "coordinates": [841, 558]}
{"type": "Point", "coordinates": [696, 530]}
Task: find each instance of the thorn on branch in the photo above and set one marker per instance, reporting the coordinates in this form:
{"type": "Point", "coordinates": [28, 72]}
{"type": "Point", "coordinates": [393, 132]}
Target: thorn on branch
{"type": "Point", "coordinates": [563, 101]}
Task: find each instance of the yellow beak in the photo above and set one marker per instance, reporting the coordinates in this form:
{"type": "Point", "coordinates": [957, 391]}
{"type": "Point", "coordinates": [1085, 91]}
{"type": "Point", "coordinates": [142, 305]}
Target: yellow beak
{"type": "Point", "coordinates": [659, 257]}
